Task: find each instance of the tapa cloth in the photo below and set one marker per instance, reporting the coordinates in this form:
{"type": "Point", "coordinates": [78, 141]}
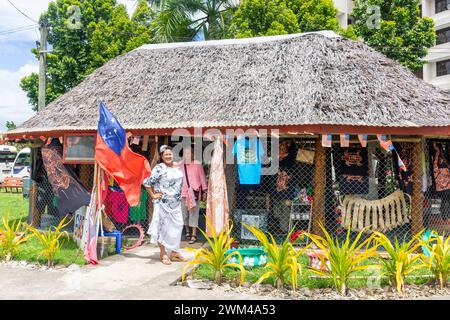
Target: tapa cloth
{"type": "Point", "coordinates": [217, 200]}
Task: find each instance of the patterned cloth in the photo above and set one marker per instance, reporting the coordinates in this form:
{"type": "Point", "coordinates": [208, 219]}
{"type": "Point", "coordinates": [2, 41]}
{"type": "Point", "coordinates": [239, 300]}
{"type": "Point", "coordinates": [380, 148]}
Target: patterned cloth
{"type": "Point", "coordinates": [167, 221]}
{"type": "Point", "coordinates": [217, 200]}
{"type": "Point", "coordinates": [440, 165]}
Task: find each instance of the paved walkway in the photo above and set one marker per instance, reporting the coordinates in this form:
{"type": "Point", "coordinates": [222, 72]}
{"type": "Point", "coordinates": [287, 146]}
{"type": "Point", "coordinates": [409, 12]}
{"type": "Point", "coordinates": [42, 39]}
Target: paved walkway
{"type": "Point", "coordinates": [136, 274]}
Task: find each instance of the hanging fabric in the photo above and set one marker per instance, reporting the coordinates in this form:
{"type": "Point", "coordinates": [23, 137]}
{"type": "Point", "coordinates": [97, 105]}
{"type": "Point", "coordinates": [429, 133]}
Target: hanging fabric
{"type": "Point", "coordinates": [402, 165]}
{"type": "Point", "coordinates": [69, 192]}
{"type": "Point", "coordinates": [440, 165]}
{"type": "Point", "coordinates": [217, 197]}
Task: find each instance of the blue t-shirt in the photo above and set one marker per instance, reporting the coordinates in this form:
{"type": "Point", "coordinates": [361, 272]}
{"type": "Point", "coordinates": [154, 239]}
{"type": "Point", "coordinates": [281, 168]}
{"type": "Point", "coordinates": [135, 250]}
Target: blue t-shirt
{"type": "Point", "coordinates": [248, 153]}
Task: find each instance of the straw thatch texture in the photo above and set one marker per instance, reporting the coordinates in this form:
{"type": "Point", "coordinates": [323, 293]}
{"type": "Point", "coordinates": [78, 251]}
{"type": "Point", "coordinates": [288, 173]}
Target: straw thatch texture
{"type": "Point", "coordinates": [289, 80]}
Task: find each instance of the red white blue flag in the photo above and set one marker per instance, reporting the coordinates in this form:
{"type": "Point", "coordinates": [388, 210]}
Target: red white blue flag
{"type": "Point", "coordinates": [385, 143]}
{"type": "Point", "coordinates": [327, 139]}
{"type": "Point", "coordinates": [345, 140]}
{"type": "Point", "coordinates": [363, 140]}
{"type": "Point", "coordinates": [114, 156]}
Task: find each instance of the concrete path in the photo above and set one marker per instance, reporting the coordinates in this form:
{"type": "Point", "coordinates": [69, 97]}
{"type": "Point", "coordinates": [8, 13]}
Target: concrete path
{"type": "Point", "coordinates": [136, 274]}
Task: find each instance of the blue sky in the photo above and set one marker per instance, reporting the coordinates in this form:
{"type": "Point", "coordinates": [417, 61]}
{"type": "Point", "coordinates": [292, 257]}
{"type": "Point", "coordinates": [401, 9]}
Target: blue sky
{"type": "Point", "coordinates": [16, 60]}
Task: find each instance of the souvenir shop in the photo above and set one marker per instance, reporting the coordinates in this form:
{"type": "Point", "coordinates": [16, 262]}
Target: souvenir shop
{"type": "Point", "coordinates": [354, 139]}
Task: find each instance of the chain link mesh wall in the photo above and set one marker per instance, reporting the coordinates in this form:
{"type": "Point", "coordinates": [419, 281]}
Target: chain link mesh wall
{"type": "Point", "coordinates": [360, 187]}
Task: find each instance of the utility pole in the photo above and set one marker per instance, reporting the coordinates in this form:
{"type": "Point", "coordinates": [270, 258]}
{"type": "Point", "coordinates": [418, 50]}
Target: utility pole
{"type": "Point", "coordinates": [42, 65]}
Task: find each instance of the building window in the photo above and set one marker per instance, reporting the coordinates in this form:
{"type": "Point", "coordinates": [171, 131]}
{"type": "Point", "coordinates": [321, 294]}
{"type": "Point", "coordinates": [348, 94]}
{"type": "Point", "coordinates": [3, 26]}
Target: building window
{"type": "Point", "coordinates": [443, 68]}
{"type": "Point", "coordinates": [443, 36]}
{"type": "Point", "coordinates": [442, 5]}
{"type": "Point", "coordinates": [419, 73]}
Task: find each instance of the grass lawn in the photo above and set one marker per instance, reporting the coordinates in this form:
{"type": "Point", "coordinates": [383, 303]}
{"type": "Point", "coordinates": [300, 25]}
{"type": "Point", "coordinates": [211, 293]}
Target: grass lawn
{"type": "Point", "coordinates": [308, 278]}
{"type": "Point", "coordinates": [17, 208]}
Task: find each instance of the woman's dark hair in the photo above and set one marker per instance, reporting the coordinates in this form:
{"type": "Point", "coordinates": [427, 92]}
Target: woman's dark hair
{"type": "Point", "coordinates": [163, 149]}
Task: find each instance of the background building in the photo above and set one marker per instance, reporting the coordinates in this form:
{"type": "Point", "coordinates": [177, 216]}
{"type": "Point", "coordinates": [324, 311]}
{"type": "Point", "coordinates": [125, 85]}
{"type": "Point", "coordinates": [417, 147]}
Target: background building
{"type": "Point", "coordinates": [437, 70]}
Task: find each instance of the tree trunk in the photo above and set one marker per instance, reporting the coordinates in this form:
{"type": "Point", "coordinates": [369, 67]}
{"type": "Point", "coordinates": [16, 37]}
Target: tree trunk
{"type": "Point", "coordinates": [218, 277]}
{"type": "Point", "coordinates": [343, 290]}
{"type": "Point", "coordinates": [279, 283]}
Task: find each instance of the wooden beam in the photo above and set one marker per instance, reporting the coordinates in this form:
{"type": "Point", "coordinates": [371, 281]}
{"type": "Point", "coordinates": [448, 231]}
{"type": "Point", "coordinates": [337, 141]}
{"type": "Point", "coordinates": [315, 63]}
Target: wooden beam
{"type": "Point", "coordinates": [319, 182]}
{"type": "Point", "coordinates": [145, 143]}
{"type": "Point", "coordinates": [417, 197]}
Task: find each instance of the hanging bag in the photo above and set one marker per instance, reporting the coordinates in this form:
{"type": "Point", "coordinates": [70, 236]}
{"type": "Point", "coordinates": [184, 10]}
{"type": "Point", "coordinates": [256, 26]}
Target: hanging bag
{"type": "Point", "coordinates": [192, 195]}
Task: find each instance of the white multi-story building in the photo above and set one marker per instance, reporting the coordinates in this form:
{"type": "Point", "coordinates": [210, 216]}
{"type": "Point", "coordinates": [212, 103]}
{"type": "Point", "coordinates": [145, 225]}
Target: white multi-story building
{"type": "Point", "coordinates": [437, 70]}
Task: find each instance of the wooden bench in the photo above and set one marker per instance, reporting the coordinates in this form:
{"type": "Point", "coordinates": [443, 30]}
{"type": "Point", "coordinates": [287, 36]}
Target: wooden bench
{"type": "Point", "coordinates": [10, 184]}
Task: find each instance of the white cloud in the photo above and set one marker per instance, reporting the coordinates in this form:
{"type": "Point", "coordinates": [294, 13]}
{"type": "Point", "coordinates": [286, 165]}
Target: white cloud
{"type": "Point", "coordinates": [10, 18]}
{"type": "Point", "coordinates": [14, 102]}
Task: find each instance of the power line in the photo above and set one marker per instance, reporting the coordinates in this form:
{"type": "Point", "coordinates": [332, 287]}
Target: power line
{"type": "Point", "coordinates": [23, 13]}
{"type": "Point", "coordinates": [17, 30]}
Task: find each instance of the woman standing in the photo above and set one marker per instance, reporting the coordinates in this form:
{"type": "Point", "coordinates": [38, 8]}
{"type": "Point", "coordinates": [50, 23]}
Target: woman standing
{"type": "Point", "coordinates": [194, 179]}
{"type": "Point", "coordinates": [164, 187]}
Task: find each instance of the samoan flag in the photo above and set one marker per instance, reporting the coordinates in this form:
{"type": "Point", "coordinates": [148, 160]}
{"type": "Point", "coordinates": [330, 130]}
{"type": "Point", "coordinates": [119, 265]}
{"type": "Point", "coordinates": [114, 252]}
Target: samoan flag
{"type": "Point", "coordinates": [327, 140]}
{"type": "Point", "coordinates": [345, 140]}
{"type": "Point", "coordinates": [401, 164]}
{"type": "Point", "coordinates": [385, 143]}
{"type": "Point", "coordinates": [114, 156]}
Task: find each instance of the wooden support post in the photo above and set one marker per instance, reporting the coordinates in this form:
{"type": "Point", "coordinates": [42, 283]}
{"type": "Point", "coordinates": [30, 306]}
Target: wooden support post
{"type": "Point", "coordinates": [145, 143]}
{"type": "Point", "coordinates": [319, 181]}
{"type": "Point", "coordinates": [34, 211]}
{"type": "Point", "coordinates": [417, 197]}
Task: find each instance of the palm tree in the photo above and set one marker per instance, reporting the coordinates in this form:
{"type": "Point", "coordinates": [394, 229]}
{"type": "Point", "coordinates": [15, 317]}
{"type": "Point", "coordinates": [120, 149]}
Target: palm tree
{"type": "Point", "coordinates": [183, 20]}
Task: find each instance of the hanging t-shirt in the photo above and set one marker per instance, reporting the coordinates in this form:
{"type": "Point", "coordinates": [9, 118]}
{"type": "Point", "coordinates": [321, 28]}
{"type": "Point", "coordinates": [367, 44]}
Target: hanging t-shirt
{"type": "Point", "coordinates": [354, 171]}
{"type": "Point", "coordinates": [139, 212]}
{"type": "Point", "coordinates": [249, 152]}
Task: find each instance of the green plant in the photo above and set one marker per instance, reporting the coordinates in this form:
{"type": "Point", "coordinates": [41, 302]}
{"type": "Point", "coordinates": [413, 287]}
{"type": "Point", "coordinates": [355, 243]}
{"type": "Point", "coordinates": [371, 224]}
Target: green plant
{"type": "Point", "coordinates": [51, 240]}
{"type": "Point", "coordinates": [402, 258]}
{"type": "Point", "coordinates": [282, 260]}
{"type": "Point", "coordinates": [345, 256]}
{"type": "Point", "coordinates": [215, 256]}
{"type": "Point", "coordinates": [439, 260]}
{"type": "Point", "coordinates": [12, 235]}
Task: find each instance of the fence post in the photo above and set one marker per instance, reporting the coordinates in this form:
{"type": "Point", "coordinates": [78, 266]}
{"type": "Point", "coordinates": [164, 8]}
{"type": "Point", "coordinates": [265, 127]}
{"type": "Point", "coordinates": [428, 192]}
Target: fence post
{"type": "Point", "coordinates": [417, 196]}
{"type": "Point", "coordinates": [318, 208]}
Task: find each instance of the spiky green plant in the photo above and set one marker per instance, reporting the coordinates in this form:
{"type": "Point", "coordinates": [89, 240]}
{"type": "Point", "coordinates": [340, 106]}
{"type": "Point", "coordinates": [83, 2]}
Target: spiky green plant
{"type": "Point", "coordinates": [216, 256]}
{"type": "Point", "coordinates": [51, 240]}
{"type": "Point", "coordinates": [439, 260]}
{"type": "Point", "coordinates": [402, 258]}
{"type": "Point", "coordinates": [282, 259]}
{"type": "Point", "coordinates": [12, 235]}
{"type": "Point", "coordinates": [345, 257]}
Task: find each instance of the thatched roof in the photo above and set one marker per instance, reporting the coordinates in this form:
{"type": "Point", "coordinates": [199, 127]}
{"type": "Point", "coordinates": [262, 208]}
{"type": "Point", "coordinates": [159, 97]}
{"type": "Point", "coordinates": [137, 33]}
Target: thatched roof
{"type": "Point", "coordinates": [313, 78]}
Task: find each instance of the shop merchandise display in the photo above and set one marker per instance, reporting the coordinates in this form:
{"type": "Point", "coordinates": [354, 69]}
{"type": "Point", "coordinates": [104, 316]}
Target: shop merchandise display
{"type": "Point", "coordinates": [248, 152]}
{"type": "Point", "coordinates": [354, 170]}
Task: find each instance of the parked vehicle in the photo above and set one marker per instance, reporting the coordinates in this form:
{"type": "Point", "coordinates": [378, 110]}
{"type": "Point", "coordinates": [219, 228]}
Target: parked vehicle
{"type": "Point", "coordinates": [7, 156]}
{"type": "Point", "coordinates": [22, 164]}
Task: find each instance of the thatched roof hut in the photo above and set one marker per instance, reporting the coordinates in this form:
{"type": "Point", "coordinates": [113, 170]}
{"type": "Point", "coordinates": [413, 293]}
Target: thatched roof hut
{"type": "Point", "coordinates": [318, 82]}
